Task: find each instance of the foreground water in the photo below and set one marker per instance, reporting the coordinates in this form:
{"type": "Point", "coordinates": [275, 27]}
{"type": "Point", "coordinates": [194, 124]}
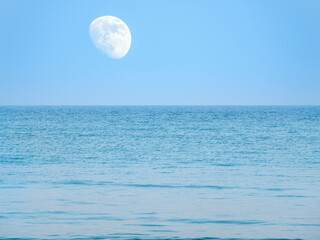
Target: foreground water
{"type": "Point", "coordinates": [159, 172]}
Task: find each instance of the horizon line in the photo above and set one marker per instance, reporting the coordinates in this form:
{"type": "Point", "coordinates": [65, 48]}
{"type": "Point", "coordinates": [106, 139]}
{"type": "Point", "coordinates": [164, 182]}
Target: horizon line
{"type": "Point", "coordinates": [161, 105]}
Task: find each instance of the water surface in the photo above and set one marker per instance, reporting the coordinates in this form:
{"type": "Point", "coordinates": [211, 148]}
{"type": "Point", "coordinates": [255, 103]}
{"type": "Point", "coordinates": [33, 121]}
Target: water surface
{"type": "Point", "coordinates": [159, 172]}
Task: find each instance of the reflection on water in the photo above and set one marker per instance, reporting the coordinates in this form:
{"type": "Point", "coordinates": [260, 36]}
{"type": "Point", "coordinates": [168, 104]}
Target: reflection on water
{"type": "Point", "coordinates": [159, 172]}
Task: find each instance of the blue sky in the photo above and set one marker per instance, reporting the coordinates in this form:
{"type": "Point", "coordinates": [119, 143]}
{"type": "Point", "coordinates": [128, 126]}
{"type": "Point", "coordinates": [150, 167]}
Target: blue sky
{"type": "Point", "coordinates": [182, 53]}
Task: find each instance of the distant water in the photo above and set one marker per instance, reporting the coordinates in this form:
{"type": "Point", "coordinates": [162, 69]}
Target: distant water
{"type": "Point", "coordinates": [159, 172]}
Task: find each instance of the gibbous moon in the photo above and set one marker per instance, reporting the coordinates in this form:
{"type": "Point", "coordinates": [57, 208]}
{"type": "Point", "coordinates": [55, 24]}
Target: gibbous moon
{"type": "Point", "coordinates": [111, 36]}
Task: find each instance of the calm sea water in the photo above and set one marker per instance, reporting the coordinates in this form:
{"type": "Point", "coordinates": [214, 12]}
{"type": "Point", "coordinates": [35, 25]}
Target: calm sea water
{"type": "Point", "coordinates": [159, 172]}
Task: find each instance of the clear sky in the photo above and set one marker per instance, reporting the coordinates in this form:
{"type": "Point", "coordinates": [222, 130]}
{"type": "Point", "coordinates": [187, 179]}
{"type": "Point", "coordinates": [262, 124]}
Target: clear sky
{"type": "Point", "coordinates": [182, 53]}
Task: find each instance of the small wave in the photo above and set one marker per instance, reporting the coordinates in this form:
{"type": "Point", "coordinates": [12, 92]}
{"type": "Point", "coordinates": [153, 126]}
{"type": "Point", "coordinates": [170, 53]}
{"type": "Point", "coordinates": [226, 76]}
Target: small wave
{"type": "Point", "coordinates": [163, 231]}
{"type": "Point", "coordinates": [208, 221]}
{"type": "Point", "coordinates": [292, 196]}
{"type": "Point", "coordinates": [279, 189]}
{"type": "Point", "coordinates": [82, 182]}
{"type": "Point", "coordinates": [147, 225]}
{"type": "Point", "coordinates": [95, 183]}
{"type": "Point", "coordinates": [305, 224]}
{"type": "Point", "coordinates": [132, 236]}
{"type": "Point", "coordinates": [176, 186]}
{"type": "Point", "coordinates": [88, 135]}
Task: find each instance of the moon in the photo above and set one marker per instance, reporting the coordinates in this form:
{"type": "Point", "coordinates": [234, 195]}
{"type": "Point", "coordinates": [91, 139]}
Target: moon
{"type": "Point", "coordinates": [111, 36]}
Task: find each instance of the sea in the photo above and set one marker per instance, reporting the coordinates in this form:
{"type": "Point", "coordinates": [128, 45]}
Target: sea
{"type": "Point", "coordinates": [159, 172]}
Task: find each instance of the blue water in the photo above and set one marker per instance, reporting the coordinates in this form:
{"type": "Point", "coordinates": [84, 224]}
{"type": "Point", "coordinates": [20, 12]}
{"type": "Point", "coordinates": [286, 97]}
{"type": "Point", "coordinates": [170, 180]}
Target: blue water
{"type": "Point", "coordinates": [159, 172]}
